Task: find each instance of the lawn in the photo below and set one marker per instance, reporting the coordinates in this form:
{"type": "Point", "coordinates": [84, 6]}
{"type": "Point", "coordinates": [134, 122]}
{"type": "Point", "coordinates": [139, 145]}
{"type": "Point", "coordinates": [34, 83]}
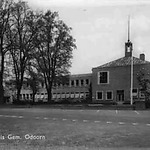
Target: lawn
{"type": "Point", "coordinates": [60, 129]}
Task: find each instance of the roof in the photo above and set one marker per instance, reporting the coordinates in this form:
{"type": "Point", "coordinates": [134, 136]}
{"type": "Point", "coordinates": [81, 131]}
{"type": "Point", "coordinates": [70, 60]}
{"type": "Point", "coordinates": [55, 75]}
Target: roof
{"type": "Point", "coordinates": [124, 61]}
{"type": "Point", "coordinates": [81, 75]}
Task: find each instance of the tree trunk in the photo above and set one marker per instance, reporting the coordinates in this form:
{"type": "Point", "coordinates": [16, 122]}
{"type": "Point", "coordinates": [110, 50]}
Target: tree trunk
{"type": "Point", "coordinates": [2, 94]}
{"type": "Point", "coordinates": [49, 92]}
{"type": "Point", "coordinates": [1, 78]}
{"type": "Point", "coordinates": [18, 92]}
{"type": "Point", "coordinates": [33, 97]}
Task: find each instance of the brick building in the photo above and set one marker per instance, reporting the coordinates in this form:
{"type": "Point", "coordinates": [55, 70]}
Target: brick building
{"type": "Point", "coordinates": [77, 89]}
{"type": "Point", "coordinates": [112, 81]}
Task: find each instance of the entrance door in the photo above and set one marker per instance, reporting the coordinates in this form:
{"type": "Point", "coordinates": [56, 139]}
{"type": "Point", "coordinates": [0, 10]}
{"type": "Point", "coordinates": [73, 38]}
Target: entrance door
{"type": "Point", "coordinates": [120, 95]}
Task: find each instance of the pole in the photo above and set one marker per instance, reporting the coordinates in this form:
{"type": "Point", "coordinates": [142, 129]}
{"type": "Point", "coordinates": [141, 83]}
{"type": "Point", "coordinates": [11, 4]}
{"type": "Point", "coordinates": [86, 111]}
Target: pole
{"type": "Point", "coordinates": [131, 91]}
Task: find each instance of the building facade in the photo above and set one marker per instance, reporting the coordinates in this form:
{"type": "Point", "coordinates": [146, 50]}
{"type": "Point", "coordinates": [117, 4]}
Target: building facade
{"type": "Point", "coordinates": [117, 80]}
{"type": "Point", "coordinates": [112, 81]}
{"type": "Point", "coordinates": [76, 90]}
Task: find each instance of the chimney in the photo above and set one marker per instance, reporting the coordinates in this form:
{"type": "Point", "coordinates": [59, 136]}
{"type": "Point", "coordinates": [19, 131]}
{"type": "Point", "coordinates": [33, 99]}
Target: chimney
{"type": "Point", "coordinates": [142, 57]}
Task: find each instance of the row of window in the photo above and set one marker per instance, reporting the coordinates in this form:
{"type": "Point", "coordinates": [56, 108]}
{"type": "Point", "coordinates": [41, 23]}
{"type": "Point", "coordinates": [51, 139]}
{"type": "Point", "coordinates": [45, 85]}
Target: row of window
{"type": "Point", "coordinates": [77, 82]}
{"type": "Point", "coordinates": [70, 95]}
{"type": "Point", "coordinates": [100, 95]}
{"type": "Point", "coordinates": [81, 82]}
{"type": "Point", "coordinates": [56, 95]}
{"type": "Point", "coordinates": [109, 94]}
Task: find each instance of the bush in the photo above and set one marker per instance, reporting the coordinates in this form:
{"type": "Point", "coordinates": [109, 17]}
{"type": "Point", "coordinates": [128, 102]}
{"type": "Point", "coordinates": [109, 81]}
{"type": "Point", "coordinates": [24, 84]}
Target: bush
{"type": "Point", "coordinates": [22, 102]}
{"type": "Point", "coordinates": [64, 101]}
{"type": "Point", "coordinates": [126, 102]}
{"type": "Point", "coordinates": [147, 104]}
{"type": "Point", "coordinates": [108, 102]}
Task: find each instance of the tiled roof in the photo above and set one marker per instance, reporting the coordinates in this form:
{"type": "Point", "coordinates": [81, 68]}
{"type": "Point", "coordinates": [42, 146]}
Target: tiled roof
{"type": "Point", "coordinates": [81, 75]}
{"type": "Point", "coordinates": [124, 61]}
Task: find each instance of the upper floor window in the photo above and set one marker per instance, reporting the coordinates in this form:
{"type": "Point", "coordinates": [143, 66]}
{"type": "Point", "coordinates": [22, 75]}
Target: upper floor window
{"type": "Point", "coordinates": [72, 82]}
{"type": "Point", "coordinates": [77, 82]}
{"type": "Point", "coordinates": [87, 81]}
{"type": "Point", "coordinates": [103, 77]}
{"type": "Point", "coordinates": [28, 85]}
{"type": "Point", "coordinates": [42, 84]}
{"type": "Point", "coordinates": [82, 82]}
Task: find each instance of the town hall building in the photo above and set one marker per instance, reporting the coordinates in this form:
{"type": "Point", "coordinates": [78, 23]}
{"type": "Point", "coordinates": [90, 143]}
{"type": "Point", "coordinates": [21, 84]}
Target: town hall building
{"type": "Point", "coordinates": [115, 81]}
{"type": "Point", "coordinates": [112, 81]}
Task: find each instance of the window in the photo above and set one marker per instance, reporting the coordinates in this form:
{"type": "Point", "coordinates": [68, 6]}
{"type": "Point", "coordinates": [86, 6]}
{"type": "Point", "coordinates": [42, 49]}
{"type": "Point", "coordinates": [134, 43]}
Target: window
{"type": "Point", "coordinates": [31, 96]}
{"type": "Point", "coordinates": [142, 95]}
{"type": "Point", "coordinates": [103, 77]}
{"type": "Point", "coordinates": [82, 95]}
{"type": "Point", "coordinates": [42, 84]}
{"type": "Point", "coordinates": [87, 81]}
{"type": "Point", "coordinates": [27, 96]}
{"type": "Point", "coordinates": [54, 95]}
{"type": "Point", "coordinates": [99, 95]}
{"type": "Point", "coordinates": [63, 95]}
{"type": "Point", "coordinates": [72, 82]}
{"type": "Point", "coordinates": [72, 94]}
{"type": "Point", "coordinates": [109, 95]}
{"type": "Point", "coordinates": [24, 96]}
{"type": "Point", "coordinates": [77, 94]}
{"type": "Point", "coordinates": [77, 82]}
{"type": "Point", "coordinates": [58, 95]}
{"type": "Point", "coordinates": [67, 95]}
{"type": "Point", "coordinates": [135, 92]}
{"type": "Point", "coordinates": [82, 82]}
{"type": "Point", "coordinates": [67, 84]}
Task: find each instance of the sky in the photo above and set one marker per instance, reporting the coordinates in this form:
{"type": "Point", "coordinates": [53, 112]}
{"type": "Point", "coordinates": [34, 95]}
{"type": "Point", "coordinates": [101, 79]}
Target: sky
{"type": "Point", "coordinates": [100, 28]}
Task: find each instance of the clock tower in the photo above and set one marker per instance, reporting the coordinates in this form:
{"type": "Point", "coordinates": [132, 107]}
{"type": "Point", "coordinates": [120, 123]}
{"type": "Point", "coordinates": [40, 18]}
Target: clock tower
{"type": "Point", "coordinates": [128, 44]}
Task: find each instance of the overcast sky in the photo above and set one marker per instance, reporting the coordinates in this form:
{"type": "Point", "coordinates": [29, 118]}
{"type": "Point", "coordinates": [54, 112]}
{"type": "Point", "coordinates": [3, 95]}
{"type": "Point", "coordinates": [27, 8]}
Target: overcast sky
{"type": "Point", "coordinates": [100, 28]}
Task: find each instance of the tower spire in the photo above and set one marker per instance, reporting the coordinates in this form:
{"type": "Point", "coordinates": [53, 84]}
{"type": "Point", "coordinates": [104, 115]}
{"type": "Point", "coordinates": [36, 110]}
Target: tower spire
{"type": "Point", "coordinates": [128, 44]}
{"type": "Point", "coordinates": [128, 28]}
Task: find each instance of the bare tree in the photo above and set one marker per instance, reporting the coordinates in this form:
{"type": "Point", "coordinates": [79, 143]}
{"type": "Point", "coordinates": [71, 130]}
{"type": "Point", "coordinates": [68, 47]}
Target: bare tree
{"type": "Point", "coordinates": [33, 79]}
{"type": "Point", "coordinates": [22, 29]}
{"type": "Point", "coordinates": [54, 48]}
{"type": "Point", "coordinates": [5, 6]}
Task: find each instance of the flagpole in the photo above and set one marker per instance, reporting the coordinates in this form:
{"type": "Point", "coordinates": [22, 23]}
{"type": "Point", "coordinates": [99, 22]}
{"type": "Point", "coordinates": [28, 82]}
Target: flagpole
{"type": "Point", "coordinates": [131, 84]}
{"type": "Point", "coordinates": [131, 91]}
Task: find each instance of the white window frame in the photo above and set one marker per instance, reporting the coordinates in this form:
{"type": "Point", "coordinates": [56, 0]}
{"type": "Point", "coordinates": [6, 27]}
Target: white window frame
{"type": "Point", "coordinates": [135, 94]}
{"type": "Point", "coordinates": [141, 95]}
{"type": "Point", "coordinates": [97, 95]}
{"type": "Point", "coordinates": [106, 95]}
{"type": "Point", "coordinates": [99, 77]}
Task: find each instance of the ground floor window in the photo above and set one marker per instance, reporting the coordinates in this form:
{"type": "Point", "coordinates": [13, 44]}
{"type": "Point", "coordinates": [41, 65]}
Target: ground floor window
{"type": "Point", "coordinates": [24, 96]}
{"type": "Point", "coordinates": [109, 95]}
{"type": "Point", "coordinates": [135, 93]}
{"type": "Point", "coordinates": [141, 94]}
{"type": "Point", "coordinates": [99, 95]}
{"type": "Point", "coordinates": [31, 96]}
{"type": "Point", "coordinates": [120, 96]}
